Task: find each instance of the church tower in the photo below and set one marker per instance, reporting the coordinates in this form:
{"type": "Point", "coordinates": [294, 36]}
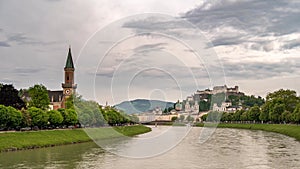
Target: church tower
{"type": "Point", "coordinates": [69, 87]}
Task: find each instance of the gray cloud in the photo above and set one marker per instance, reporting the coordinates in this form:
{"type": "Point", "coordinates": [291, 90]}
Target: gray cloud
{"type": "Point", "coordinates": [292, 44]}
{"type": "Point", "coordinates": [149, 47]}
{"type": "Point", "coordinates": [248, 19]}
{"type": "Point", "coordinates": [4, 44]}
{"type": "Point", "coordinates": [22, 39]}
{"type": "Point", "coordinates": [25, 71]}
{"type": "Point", "coordinates": [261, 70]}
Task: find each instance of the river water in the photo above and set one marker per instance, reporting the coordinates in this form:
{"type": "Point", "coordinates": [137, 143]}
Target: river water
{"type": "Point", "coordinates": [226, 148]}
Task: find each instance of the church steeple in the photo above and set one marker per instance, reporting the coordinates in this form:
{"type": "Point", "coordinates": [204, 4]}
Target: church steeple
{"type": "Point", "coordinates": [69, 86]}
{"type": "Point", "coordinates": [69, 63]}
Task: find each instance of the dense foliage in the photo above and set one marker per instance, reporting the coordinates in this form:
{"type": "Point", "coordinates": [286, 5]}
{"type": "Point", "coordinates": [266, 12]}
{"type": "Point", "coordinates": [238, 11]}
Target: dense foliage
{"type": "Point", "coordinates": [78, 112]}
{"type": "Point", "coordinates": [236, 100]}
{"type": "Point", "coordinates": [38, 97]}
{"type": "Point", "coordinates": [282, 106]}
{"type": "Point", "coordinates": [9, 96]}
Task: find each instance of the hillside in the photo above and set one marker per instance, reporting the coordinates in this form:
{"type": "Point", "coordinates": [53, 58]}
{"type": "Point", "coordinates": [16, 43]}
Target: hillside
{"type": "Point", "coordinates": [142, 105]}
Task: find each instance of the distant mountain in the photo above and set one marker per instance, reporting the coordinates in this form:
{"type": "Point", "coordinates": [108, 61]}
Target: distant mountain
{"type": "Point", "coordinates": [142, 105]}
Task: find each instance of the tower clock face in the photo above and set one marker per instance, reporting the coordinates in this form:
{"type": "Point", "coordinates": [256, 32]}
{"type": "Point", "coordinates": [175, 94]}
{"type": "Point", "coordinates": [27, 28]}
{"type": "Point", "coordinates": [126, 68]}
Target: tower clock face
{"type": "Point", "coordinates": [68, 91]}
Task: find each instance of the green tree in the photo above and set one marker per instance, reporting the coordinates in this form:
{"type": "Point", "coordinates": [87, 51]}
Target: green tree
{"type": "Point", "coordinates": [69, 116]}
{"type": "Point", "coordinates": [244, 116]}
{"type": "Point", "coordinates": [9, 117]}
{"type": "Point", "coordinates": [204, 117]}
{"type": "Point", "coordinates": [254, 113]}
{"type": "Point", "coordinates": [174, 118]}
{"type": "Point", "coordinates": [250, 101]}
{"type": "Point", "coordinates": [204, 105]}
{"type": "Point", "coordinates": [227, 117]}
{"type": "Point", "coordinates": [72, 100]}
{"type": "Point", "coordinates": [286, 116]}
{"type": "Point", "coordinates": [275, 113]}
{"type": "Point", "coordinates": [9, 96]}
{"type": "Point", "coordinates": [264, 115]}
{"type": "Point", "coordinates": [296, 114]}
{"type": "Point", "coordinates": [134, 118]}
{"type": "Point", "coordinates": [55, 118]}
{"type": "Point", "coordinates": [234, 99]}
{"type": "Point", "coordinates": [15, 117]}
{"type": "Point", "coordinates": [38, 117]}
{"type": "Point", "coordinates": [237, 115]}
{"type": "Point", "coordinates": [89, 113]}
{"type": "Point", "coordinates": [214, 116]}
{"type": "Point", "coordinates": [39, 97]}
{"type": "Point", "coordinates": [287, 97]}
{"type": "Point", "coordinates": [4, 116]}
{"type": "Point", "coordinates": [26, 119]}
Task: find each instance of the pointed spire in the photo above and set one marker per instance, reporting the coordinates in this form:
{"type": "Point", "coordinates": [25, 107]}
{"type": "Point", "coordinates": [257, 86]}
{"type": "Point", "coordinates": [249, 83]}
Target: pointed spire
{"type": "Point", "coordinates": [69, 63]}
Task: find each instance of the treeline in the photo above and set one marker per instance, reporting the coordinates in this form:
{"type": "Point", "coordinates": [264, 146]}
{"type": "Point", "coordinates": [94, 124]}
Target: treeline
{"type": "Point", "coordinates": [17, 113]}
{"type": "Point", "coordinates": [236, 100]}
{"type": "Point", "coordinates": [282, 106]}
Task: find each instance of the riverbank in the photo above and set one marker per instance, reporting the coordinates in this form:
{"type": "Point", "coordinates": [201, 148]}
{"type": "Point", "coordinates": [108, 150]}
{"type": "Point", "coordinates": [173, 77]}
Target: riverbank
{"type": "Point", "coordinates": [286, 129]}
{"type": "Point", "coordinates": [13, 141]}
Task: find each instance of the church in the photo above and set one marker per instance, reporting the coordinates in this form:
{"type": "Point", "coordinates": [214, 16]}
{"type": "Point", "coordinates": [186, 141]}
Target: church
{"type": "Point", "coordinates": [58, 98]}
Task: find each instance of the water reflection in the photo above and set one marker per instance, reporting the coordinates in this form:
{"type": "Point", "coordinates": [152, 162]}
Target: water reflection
{"type": "Point", "coordinates": [226, 148]}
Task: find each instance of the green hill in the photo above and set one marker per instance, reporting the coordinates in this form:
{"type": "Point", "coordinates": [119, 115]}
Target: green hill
{"type": "Point", "coordinates": [142, 105]}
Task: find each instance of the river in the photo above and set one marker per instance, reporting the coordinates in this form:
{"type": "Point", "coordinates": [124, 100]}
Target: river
{"type": "Point", "coordinates": [226, 148]}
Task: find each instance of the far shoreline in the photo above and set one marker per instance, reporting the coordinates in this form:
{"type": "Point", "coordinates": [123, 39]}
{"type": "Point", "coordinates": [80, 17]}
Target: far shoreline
{"type": "Point", "coordinates": [291, 130]}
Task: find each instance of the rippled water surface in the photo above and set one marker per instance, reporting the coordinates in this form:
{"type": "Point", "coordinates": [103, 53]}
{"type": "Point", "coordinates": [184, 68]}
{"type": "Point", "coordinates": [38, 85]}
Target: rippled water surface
{"type": "Point", "coordinates": [226, 148]}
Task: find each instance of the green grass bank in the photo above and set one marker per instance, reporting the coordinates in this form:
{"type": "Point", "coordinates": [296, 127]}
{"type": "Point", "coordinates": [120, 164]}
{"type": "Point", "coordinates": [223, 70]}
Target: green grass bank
{"type": "Point", "coordinates": [286, 129]}
{"type": "Point", "coordinates": [12, 141]}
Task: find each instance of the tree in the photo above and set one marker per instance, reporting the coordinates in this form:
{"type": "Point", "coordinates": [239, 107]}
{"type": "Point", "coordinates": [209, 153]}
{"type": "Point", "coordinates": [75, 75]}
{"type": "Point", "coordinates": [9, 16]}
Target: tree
{"type": "Point", "coordinates": [9, 96]}
{"type": "Point", "coordinates": [4, 116]}
{"type": "Point", "coordinates": [237, 115]}
{"type": "Point", "coordinates": [250, 101]}
{"type": "Point", "coordinates": [89, 113]}
{"type": "Point", "coordinates": [296, 114]}
{"type": "Point", "coordinates": [286, 116]}
{"type": "Point", "coordinates": [275, 113]}
{"type": "Point", "coordinates": [134, 118]}
{"type": "Point", "coordinates": [264, 115]}
{"type": "Point", "coordinates": [214, 116]}
{"type": "Point", "coordinates": [55, 118]}
{"type": "Point", "coordinates": [39, 97]}
{"type": "Point", "coordinates": [15, 117]}
{"type": "Point", "coordinates": [9, 117]}
{"type": "Point", "coordinates": [174, 118]}
{"type": "Point", "coordinates": [70, 101]}
{"type": "Point", "coordinates": [70, 117]}
{"type": "Point", "coordinates": [204, 105]}
{"type": "Point", "coordinates": [204, 117]}
{"type": "Point", "coordinates": [244, 116]}
{"type": "Point", "coordinates": [38, 117]}
{"type": "Point", "coordinates": [26, 119]}
{"type": "Point", "coordinates": [253, 113]}
{"type": "Point", "coordinates": [234, 99]}
{"type": "Point", "coordinates": [287, 97]}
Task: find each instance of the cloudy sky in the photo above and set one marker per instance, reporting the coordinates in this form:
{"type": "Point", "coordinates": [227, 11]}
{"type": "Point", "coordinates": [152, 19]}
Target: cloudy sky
{"type": "Point", "coordinates": [151, 49]}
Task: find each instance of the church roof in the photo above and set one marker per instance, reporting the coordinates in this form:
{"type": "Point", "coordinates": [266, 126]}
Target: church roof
{"type": "Point", "coordinates": [69, 63]}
